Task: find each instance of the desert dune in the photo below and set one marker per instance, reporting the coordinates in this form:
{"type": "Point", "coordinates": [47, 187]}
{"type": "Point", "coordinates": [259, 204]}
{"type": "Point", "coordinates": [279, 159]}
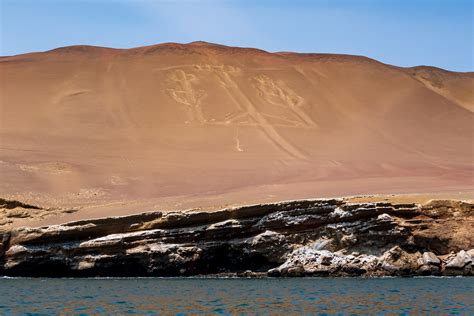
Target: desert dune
{"type": "Point", "coordinates": [102, 131]}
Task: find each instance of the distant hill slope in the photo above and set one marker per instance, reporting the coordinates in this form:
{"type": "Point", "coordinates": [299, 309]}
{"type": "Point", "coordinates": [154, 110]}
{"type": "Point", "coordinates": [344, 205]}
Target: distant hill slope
{"type": "Point", "coordinates": [88, 125]}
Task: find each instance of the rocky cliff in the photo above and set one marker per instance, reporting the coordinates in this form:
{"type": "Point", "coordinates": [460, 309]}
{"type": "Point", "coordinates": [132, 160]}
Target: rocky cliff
{"type": "Point", "coordinates": [297, 238]}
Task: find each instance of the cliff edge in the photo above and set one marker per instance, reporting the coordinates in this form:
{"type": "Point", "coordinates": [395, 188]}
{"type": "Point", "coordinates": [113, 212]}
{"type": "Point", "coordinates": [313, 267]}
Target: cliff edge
{"type": "Point", "coordinates": [330, 237]}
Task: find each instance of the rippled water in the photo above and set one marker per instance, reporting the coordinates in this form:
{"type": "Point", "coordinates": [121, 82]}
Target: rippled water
{"type": "Point", "coordinates": [237, 296]}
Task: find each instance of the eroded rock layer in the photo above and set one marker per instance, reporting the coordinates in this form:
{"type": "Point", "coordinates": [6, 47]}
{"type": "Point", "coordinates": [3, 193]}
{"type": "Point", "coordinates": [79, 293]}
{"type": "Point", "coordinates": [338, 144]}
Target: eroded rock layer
{"type": "Point", "coordinates": [296, 238]}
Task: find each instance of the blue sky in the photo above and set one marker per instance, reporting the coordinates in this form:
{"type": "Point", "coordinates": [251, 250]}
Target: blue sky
{"type": "Point", "coordinates": [405, 33]}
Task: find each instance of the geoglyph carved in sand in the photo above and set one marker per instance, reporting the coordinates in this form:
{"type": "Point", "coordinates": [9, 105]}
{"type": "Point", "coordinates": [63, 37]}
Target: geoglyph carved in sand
{"type": "Point", "coordinates": [247, 113]}
{"type": "Point", "coordinates": [278, 94]}
{"type": "Point", "coordinates": [184, 93]}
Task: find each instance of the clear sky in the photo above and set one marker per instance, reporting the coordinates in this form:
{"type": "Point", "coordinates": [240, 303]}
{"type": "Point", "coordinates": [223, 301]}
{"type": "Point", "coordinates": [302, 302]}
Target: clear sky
{"type": "Point", "coordinates": [405, 33]}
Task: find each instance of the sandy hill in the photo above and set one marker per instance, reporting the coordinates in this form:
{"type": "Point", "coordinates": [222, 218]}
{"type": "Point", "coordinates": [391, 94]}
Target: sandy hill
{"type": "Point", "coordinates": [199, 124]}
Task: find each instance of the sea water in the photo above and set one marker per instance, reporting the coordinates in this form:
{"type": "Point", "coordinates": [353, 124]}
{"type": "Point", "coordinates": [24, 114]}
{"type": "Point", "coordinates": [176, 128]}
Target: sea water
{"type": "Point", "coordinates": [184, 296]}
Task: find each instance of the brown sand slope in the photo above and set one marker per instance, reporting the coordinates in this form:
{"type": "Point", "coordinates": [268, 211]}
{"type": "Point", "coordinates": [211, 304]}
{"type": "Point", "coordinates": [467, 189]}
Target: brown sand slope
{"type": "Point", "coordinates": [191, 125]}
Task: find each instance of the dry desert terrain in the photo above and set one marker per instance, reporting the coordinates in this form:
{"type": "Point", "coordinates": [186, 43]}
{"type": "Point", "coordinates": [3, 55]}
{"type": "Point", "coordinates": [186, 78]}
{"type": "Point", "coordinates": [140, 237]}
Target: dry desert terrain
{"type": "Point", "coordinates": [89, 132]}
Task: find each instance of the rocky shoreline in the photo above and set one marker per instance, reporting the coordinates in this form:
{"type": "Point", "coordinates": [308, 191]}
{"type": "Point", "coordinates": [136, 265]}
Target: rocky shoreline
{"type": "Point", "coordinates": [330, 237]}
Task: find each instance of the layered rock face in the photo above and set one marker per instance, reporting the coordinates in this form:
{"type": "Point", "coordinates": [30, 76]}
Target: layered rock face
{"type": "Point", "coordinates": [295, 238]}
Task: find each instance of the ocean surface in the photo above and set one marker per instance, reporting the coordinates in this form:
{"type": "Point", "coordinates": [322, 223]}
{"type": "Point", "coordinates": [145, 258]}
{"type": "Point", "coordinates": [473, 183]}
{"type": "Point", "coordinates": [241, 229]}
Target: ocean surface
{"type": "Point", "coordinates": [189, 296]}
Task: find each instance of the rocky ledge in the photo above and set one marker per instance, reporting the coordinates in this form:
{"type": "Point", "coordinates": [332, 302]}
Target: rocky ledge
{"type": "Point", "coordinates": [297, 238]}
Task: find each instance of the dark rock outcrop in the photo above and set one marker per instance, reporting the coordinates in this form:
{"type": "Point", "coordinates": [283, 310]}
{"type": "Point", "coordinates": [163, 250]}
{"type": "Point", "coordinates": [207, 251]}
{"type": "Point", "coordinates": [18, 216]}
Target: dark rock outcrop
{"type": "Point", "coordinates": [295, 238]}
